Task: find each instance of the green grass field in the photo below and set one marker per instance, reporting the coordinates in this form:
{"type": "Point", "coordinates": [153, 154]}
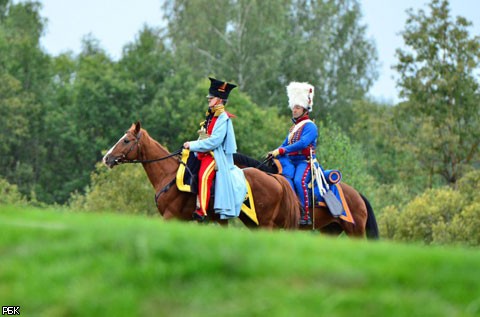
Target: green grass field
{"type": "Point", "coordinates": [58, 263]}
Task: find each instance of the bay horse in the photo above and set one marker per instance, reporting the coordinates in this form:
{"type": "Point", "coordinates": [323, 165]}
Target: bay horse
{"type": "Point", "coordinates": [276, 204]}
{"type": "Point", "coordinates": [364, 222]}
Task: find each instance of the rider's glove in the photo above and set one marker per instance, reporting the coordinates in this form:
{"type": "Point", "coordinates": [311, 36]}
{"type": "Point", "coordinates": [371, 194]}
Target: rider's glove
{"type": "Point", "coordinates": [276, 152]}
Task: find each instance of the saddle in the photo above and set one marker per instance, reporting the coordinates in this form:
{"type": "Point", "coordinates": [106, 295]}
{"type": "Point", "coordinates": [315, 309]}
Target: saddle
{"type": "Point", "coordinates": [333, 178]}
{"type": "Point", "coordinates": [187, 181]}
{"type": "Point", "coordinates": [323, 197]}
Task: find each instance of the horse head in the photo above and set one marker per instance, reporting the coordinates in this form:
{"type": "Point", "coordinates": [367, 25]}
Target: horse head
{"type": "Point", "coordinates": [126, 149]}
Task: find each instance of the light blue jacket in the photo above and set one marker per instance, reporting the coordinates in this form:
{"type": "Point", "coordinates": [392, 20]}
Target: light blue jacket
{"type": "Point", "coordinates": [230, 187]}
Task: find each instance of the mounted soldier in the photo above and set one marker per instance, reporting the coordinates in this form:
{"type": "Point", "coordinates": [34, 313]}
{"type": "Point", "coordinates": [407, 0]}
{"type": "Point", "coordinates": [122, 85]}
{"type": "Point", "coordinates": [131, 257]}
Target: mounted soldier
{"type": "Point", "coordinates": [298, 149]}
{"type": "Point", "coordinates": [215, 148]}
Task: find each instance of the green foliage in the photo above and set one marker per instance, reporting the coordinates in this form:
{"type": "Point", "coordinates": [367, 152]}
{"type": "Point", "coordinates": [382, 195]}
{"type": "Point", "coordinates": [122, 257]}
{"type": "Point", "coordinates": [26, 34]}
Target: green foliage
{"type": "Point", "coordinates": [464, 226]}
{"type": "Point", "coordinates": [9, 194]}
{"type": "Point", "coordinates": [24, 76]}
{"type": "Point", "coordinates": [397, 175]}
{"type": "Point", "coordinates": [390, 195]}
{"type": "Point", "coordinates": [328, 47]}
{"type": "Point", "coordinates": [21, 27]}
{"type": "Point", "coordinates": [388, 222]}
{"type": "Point", "coordinates": [420, 216]}
{"type": "Point", "coordinates": [14, 107]}
{"type": "Point", "coordinates": [439, 78]}
{"type": "Point", "coordinates": [438, 216]}
{"type": "Point", "coordinates": [149, 66]}
{"type": "Point", "coordinates": [91, 102]}
{"type": "Point", "coordinates": [469, 186]}
{"type": "Point", "coordinates": [257, 130]}
{"type": "Point", "coordinates": [282, 41]}
{"type": "Point", "coordinates": [125, 189]}
{"type": "Point", "coordinates": [336, 151]}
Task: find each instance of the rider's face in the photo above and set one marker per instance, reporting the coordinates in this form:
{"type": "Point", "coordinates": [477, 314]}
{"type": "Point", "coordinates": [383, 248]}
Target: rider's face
{"type": "Point", "coordinates": [213, 101]}
{"type": "Point", "coordinates": [297, 111]}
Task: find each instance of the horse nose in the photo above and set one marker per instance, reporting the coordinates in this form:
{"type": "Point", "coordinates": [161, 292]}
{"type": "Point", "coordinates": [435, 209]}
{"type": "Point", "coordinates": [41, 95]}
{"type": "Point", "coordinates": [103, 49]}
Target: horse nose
{"type": "Point", "coordinates": [105, 159]}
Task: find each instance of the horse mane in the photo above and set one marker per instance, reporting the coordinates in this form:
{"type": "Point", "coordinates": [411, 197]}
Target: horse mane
{"type": "Point", "coordinates": [242, 160]}
{"type": "Point", "coordinates": [151, 139]}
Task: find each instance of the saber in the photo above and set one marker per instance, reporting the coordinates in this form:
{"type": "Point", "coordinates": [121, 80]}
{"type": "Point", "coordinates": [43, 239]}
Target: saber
{"type": "Point", "coordinates": [312, 171]}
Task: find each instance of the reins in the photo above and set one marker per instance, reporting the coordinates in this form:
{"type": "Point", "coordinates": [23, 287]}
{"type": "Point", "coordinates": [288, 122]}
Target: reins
{"type": "Point", "coordinates": [177, 152]}
{"type": "Point", "coordinates": [136, 143]}
{"type": "Point", "coordinates": [166, 187]}
{"type": "Point", "coordinates": [264, 162]}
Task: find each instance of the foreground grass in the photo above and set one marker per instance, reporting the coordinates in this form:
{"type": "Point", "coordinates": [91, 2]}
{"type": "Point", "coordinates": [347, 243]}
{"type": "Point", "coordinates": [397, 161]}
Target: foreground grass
{"type": "Point", "coordinates": [55, 263]}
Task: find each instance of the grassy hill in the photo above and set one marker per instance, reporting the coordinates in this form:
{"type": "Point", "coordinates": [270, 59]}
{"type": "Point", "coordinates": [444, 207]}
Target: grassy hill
{"type": "Point", "coordinates": [57, 263]}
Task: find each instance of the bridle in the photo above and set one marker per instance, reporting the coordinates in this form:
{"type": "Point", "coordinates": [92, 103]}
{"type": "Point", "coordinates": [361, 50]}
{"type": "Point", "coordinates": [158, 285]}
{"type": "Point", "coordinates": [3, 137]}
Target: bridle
{"type": "Point", "coordinates": [123, 159]}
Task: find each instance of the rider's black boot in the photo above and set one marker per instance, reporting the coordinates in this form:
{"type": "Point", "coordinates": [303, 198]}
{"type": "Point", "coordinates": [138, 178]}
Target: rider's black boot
{"type": "Point", "coordinates": [305, 219]}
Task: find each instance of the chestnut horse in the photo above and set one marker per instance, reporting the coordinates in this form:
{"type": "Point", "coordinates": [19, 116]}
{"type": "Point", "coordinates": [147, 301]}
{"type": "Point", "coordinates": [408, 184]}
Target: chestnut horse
{"type": "Point", "coordinates": [364, 222]}
{"type": "Point", "coordinates": [276, 204]}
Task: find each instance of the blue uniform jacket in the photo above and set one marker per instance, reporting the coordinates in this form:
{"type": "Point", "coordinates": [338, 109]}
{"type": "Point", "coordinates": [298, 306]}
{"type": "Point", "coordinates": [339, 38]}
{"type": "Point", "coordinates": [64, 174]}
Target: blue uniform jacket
{"type": "Point", "coordinates": [308, 137]}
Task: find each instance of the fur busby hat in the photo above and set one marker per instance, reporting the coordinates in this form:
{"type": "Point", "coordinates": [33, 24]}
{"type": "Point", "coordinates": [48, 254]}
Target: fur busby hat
{"type": "Point", "coordinates": [219, 88]}
{"type": "Point", "coordinates": [300, 94]}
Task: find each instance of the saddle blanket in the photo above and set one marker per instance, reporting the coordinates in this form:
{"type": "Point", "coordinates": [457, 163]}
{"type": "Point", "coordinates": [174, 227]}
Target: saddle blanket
{"type": "Point", "coordinates": [333, 177]}
{"type": "Point", "coordinates": [338, 192]}
{"type": "Point", "coordinates": [186, 181]}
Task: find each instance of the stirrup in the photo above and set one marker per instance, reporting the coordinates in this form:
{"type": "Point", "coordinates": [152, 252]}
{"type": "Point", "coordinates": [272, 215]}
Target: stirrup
{"type": "Point", "coordinates": [305, 222]}
{"type": "Point", "coordinates": [198, 217]}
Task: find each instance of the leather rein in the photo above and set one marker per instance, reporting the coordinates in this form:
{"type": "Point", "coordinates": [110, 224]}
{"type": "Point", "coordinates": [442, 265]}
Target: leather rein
{"type": "Point", "coordinates": [136, 143]}
{"type": "Point", "coordinates": [137, 140]}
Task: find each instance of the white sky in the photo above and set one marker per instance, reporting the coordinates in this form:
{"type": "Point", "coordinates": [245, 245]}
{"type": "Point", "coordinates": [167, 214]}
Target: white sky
{"type": "Point", "coordinates": [116, 22]}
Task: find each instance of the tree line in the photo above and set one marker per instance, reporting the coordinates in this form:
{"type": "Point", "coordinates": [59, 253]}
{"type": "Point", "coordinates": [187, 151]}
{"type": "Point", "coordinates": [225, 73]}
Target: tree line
{"type": "Point", "coordinates": [60, 113]}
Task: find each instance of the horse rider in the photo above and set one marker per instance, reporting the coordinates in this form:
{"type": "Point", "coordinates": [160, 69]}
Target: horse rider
{"type": "Point", "coordinates": [215, 148]}
{"type": "Point", "coordinates": [295, 152]}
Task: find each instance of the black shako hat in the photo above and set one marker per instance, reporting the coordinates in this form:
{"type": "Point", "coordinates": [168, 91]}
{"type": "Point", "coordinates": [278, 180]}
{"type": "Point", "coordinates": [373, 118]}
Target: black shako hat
{"type": "Point", "coordinates": [219, 88]}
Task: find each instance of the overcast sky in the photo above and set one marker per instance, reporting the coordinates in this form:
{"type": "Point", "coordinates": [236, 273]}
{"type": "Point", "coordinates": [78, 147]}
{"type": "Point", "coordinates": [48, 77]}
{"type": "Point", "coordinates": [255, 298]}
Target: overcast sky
{"type": "Point", "coordinates": [116, 22]}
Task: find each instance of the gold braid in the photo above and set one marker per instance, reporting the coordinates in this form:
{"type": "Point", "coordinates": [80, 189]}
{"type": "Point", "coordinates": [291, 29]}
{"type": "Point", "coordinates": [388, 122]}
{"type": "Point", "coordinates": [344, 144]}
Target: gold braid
{"type": "Point", "coordinates": [218, 110]}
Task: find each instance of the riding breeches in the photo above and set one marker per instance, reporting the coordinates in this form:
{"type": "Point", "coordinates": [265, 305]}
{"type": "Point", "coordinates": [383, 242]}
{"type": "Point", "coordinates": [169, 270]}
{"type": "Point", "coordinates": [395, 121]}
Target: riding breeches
{"type": "Point", "coordinates": [206, 175]}
{"type": "Point", "coordinates": [298, 173]}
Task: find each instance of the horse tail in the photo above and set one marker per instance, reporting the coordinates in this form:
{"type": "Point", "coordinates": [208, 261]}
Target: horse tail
{"type": "Point", "coordinates": [371, 226]}
{"type": "Point", "coordinates": [289, 203]}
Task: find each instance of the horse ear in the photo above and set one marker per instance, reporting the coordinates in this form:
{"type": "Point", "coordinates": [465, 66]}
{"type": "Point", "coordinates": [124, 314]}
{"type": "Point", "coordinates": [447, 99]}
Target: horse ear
{"type": "Point", "coordinates": [138, 126]}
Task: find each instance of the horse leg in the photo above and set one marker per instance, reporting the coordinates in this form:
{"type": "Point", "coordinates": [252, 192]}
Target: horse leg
{"type": "Point", "coordinates": [322, 220]}
{"type": "Point", "coordinates": [353, 229]}
{"type": "Point", "coordinates": [176, 204]}
{"type": "Point", "coordinates": [327, 224]}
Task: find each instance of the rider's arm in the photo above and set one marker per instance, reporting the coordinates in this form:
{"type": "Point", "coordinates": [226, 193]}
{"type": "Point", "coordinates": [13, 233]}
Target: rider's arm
{"type": "Point", "coordinates": [216, 138]}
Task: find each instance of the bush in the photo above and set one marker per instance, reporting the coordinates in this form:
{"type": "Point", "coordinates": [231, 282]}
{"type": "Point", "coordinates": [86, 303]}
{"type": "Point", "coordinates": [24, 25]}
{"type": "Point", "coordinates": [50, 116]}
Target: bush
{"type": "Point", "coordinates": [124, 189]}
{"type": "Point", "coordinates": [464, 227]}
{"type": "Point", "coordinates": [9, 194]}
{"type": "Point", "coordinates": [432, 208]}
{"type": "Point", "coordinates": [388, 222]}
{"type": "Point", "coordinates": [469, 186]}
{"type": "Point", "coordinates": [438, 216]}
